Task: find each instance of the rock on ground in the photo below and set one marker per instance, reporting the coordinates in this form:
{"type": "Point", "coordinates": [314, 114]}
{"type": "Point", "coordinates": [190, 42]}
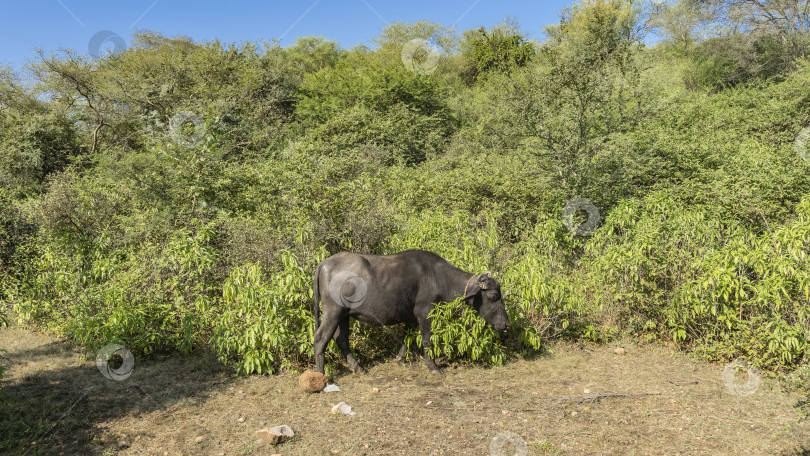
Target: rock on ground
{"type": "Point", "coordinates": [276, 435]}
{"type": "Point", "coordinates": [312, 382]}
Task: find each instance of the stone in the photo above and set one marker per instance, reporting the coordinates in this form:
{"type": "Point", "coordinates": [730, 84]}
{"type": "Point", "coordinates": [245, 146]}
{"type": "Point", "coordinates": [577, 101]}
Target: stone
{"type": "Point", "coordinates": [619, 351]}
{"type": "Point", "coordinates": [276, 435]}
{"type": "Point", "coordinates": [312, 382]}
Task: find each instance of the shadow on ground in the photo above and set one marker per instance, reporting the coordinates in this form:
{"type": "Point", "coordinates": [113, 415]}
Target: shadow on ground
{"type": "Point", "coordinates": [53, 400]}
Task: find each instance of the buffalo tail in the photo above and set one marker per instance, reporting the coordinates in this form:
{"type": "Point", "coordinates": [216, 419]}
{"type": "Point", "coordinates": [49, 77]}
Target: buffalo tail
{"type": "Point", "coordinates": [316, 297]}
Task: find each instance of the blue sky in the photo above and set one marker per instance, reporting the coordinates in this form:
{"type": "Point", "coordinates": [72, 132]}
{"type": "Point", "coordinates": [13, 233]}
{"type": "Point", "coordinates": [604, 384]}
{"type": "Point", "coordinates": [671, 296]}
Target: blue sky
{"type": "Point", "coordinates": [51, 24]}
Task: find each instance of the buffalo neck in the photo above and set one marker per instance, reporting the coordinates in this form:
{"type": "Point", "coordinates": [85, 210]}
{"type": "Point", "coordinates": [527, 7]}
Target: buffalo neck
{"type": "Point", "coordinates": [457, 279]}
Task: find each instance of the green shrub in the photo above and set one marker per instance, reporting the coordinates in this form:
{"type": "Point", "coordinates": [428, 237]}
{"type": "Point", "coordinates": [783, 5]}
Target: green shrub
{"type": "Point", "coordinates": [151, 298]}
{"type": "Point", "coordinates": [725, 61]}
{"type": "Point", "coordinates": [459, 333]}
{"type": "Point", "coordinates": [502, 48]}
{"type": "Point", "coordinates": [645, 250]}
{"type": "Point", "coordinates": [265, 324]}
{"type": "Point", "coordinates": [386, 106]}
{"type": "Point", "coordinates": [542, 296]}
{"type": "Point", "coordinates": [752, 295]}
{"type": "Point", "coordinates": [467, 242]}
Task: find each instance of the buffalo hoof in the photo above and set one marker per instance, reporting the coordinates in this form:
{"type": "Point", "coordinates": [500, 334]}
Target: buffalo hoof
{"type": "Point", "coordinates": [436, 371]}
{"type": "Point", "coordinates": [401, 361]}
{"type": "Point", "coordinates": [359, 370]}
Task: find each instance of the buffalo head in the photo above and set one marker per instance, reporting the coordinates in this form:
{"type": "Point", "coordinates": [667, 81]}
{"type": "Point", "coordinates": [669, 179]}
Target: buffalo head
{"type": "Point", "coordinates": [485, 293]}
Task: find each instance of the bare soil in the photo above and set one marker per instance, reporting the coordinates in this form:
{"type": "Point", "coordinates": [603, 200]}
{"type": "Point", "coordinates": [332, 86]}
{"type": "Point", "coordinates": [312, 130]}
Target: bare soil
{"type": "Point", "coordinates": [573, 400]}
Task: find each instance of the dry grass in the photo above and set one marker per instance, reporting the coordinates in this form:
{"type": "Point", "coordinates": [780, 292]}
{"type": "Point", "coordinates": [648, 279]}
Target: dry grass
{"type": "Point", "coordinates": [572, 401]}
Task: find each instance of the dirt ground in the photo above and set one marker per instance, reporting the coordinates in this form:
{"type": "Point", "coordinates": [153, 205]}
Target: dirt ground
{"type": "Point", "coordinates": [574, 400]}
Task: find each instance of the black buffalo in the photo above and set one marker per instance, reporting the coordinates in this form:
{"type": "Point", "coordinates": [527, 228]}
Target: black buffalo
{"type": "Point", "coordinates": [391, 289]}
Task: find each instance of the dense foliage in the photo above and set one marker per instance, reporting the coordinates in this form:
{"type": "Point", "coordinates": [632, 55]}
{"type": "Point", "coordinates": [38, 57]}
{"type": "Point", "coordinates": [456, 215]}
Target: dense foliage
{"type": "Point", "coordinates": [178, 195]}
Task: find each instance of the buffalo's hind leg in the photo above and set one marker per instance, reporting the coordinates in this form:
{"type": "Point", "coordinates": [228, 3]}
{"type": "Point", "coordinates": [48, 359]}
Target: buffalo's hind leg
{"type": "Point", "coordinates": [403, 350]}
{"type": "Point", "coordinates": [342, 340]}
{"type": "Point", "coordinates": [325, 331]}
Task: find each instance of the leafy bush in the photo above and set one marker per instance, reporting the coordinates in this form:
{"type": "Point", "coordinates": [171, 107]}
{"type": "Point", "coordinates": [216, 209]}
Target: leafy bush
{"type": "Point", "coordinates": [153, 298]}
{"type": "Point", "coordinates": [387, 106]}
{"type": "Point", "coordinates": [752, 295]}
{"type": "Point", "coordinates": [459, 333]}
{"type": "Point", "coordinates": [34, 145]}
{"type": "Point", "coordinates": [265, 325]}
{"type": "Point", "coordinates": [646, 249]}
{"type": "Point", "coordinates": [545, 300]}
{"type": "Point", "coordinates": [502, 48]}
{"type": "Point", "coordinates": [726, 61]}
{"type": "Point", "coordinates": [14, 232]}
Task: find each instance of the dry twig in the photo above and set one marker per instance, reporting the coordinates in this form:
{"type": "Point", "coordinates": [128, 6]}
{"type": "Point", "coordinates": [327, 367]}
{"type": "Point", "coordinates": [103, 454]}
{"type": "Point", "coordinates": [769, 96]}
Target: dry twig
{"type": "Point", "coordinates": [683, 382]}
{"type": "Point", "coordinates": [600, 395]}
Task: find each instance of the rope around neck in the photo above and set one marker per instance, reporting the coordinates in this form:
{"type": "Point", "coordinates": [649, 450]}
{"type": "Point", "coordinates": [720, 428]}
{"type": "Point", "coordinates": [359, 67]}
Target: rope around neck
{"type": "Point", "coordinates": [466, 284]}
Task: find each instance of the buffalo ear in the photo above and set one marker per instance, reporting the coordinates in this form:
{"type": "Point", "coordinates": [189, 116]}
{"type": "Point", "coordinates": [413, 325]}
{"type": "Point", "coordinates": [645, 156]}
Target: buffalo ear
{"type": "Point", "coordinates": [482, 280]}
{"type": "Point", "coordinates": [473, 289]}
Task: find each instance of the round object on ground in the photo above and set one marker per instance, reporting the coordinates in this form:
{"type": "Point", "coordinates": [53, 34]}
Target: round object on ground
{"type": "Point", "coordinates": [312, 382]}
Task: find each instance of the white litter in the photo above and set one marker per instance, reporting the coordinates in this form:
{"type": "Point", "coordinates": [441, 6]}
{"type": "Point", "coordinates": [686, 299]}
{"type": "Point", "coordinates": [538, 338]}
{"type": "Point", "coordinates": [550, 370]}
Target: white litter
{"type": "Point", "coordinates": [330, 388]}
{"type": "Point", "coordinates": [343, 408]}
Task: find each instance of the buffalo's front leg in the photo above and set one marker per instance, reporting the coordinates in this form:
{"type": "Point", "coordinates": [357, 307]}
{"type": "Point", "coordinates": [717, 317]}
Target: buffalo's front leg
{"type": "Point", "coordinates": [424, 328]}
{"type": "Point", "coordinates": [342, 340]}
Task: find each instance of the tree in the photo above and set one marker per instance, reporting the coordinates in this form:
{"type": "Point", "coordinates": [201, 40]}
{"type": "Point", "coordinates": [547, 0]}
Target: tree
{"type": "Point", "coordinates": [313, 53]}
{"type": "Point", "coordinates": [501, 49]}
{"type": "Point", "coordinates": [35, 139]}
{"type": "Point", "coordinates": [681, 23]}
{"type": "Point", "coordinates": [227, 86]}
{"type": "Point", "coordinates": [583, 89]}
{"type": "Point", "coordinates": [737, 41]}
{"type": "Point", "coordinates": [372, 99]}
{"type": "Point", "coordinates": [789, 20]}
{"type": "Point", "coordinates": [729, 60]}
{"type": "Point", "coordinates": [397, 34]}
